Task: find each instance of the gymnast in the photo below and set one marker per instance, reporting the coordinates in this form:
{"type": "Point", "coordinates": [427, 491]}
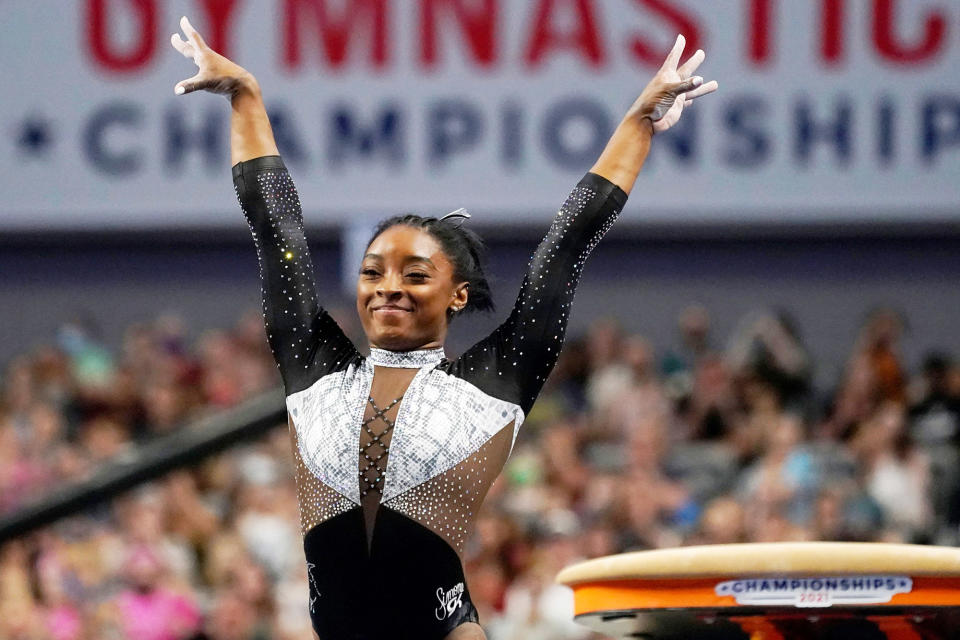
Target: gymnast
{"type": "Point", "coordinates": [395, 451]}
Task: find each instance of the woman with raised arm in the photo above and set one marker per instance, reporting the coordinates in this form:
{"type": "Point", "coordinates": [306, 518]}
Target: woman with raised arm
{"type": "Point", "coordinates": [395, 451]}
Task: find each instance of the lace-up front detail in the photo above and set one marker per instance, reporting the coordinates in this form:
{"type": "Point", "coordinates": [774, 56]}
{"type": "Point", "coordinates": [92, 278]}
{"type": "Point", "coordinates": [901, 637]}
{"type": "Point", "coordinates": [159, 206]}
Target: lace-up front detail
{"type": "Point", "coordinates": [375, 450]}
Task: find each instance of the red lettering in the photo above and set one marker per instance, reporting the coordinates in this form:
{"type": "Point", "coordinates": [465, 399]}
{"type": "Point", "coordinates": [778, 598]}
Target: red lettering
{"type": "Point", "coordinates": [105, 51]}
{"type": "Point", "coordinates": [831, 43]}
{"type": "Point", "coordinates": [680, 22]}
{"type": "Point", "coordinates": [335, 32]}
{"type": "Point", "coordinates": [478, 22]}
{"type": "Point", "coordinates": [760, 31]}
{"type": "Point", "coordinates": [219, 13]}
{"type": "Point", "coordinates": [584, 38]}
{"type": "Point", "coordinates": [934, 32]}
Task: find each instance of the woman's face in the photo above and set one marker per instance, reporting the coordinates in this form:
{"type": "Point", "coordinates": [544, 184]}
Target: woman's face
{"type": "Point", "coordinates": [404, 290]}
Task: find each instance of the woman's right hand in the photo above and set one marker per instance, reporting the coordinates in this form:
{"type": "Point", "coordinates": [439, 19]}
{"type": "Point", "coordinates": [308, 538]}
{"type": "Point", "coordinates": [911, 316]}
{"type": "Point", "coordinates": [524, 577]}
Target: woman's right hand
{"type": "Point", "coordinates": [217, 74]}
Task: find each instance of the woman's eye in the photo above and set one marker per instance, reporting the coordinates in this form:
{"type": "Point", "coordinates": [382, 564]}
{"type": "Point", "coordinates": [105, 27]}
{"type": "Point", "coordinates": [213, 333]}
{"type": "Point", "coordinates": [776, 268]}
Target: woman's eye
{"type": "Point", "coordinates": [416, 275]}
{"type": "Point", "coordinates": [369, 272]}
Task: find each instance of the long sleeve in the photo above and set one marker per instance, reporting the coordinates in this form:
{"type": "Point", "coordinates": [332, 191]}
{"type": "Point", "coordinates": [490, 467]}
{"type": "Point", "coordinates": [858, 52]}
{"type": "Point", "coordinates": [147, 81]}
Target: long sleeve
{"type": "Point", "coordinates": [515, 360]}
{"type": "Point", "coordinates": [306, 342]}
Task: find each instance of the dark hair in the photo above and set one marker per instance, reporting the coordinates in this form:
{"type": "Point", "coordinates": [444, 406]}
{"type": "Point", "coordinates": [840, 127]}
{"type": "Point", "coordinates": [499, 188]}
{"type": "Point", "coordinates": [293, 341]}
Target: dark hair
{"type": "Point", "coordinates": [462, 246]}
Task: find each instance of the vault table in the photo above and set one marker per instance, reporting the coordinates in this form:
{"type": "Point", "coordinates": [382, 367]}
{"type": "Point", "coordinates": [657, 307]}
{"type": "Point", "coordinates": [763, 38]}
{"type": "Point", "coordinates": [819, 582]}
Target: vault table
{"type": "Point", "coordinates": [775, 591]}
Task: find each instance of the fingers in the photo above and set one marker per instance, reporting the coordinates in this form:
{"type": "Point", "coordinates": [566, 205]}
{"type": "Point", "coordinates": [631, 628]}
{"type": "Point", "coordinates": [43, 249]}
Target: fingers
{"type": "Point", "coordinates": [192, 35]}
{"type": "Point", "coordinates": [687, 68]}
{"type": "Point", "coordinates": [685, 86]}
{"type": "Point", "coordinates": [188, 86]}
{"type": "Point", "coordinates": [189, 49]}
{"type": "Point", "coordinates": [702, 90]}
{"type": "Point", "coordinates": [673, 58]}
{"type": "Point", "coordinates": [183, 47]}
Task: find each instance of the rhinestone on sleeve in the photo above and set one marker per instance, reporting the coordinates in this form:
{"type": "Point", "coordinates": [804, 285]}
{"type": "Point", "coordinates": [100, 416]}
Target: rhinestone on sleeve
{"type": "Point", "coordinates": [519, 355]}
{"type": "Point", "coordinates": [306, 342]}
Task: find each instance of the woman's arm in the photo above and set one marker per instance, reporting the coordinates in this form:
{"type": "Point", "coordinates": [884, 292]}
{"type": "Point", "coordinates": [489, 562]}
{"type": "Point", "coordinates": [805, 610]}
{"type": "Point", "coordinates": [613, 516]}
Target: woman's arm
{"type": "Point", "coordinates": [250, 132]}
{"type": "Point", "coordinates": [514, 361]}
{"type": "Point", "coordinates": [306, 341]}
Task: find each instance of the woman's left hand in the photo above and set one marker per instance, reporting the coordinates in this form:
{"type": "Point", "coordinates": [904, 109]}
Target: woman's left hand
{"type": "Point", "coordinates": [673, 88]}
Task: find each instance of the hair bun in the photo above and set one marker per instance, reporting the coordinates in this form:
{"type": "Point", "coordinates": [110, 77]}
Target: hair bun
{"type": "Point", "coordinates": [453, 217]}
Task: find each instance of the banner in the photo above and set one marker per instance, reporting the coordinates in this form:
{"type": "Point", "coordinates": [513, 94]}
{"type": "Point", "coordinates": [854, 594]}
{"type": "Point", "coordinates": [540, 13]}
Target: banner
{"type": "Point", "coordinates": [828, 110]}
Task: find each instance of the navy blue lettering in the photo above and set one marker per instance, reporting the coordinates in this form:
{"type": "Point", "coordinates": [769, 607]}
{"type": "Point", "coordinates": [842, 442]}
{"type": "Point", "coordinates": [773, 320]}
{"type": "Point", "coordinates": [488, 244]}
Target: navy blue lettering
{"type": "Point", "coordinates": [886, 133]}
{"type": "Point", "coordinates": [559, 116]}
{"type": "Point", "coordinates": [748, 145]}
{"type": "Point", "coordinates": [112, 161]}
{"type": "Point", "coordinates": [286, 134]}
{"type": "Point", "coordinates": [836, 132]}
{"type": "Point", "coordinates": [384, 136]}
{"type": "Point", "coordinates": [453, 126]}
{"type": "Point", "coordinates": [941, 125]}
{"type": "Point", "coordinates": [206, 138]}
{"type": "Point", "coordinates": [511, 140]}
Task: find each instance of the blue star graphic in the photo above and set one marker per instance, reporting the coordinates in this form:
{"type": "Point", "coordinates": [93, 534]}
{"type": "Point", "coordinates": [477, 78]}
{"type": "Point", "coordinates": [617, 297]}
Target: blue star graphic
{"type": "Point", "coordinates": [35, 136]}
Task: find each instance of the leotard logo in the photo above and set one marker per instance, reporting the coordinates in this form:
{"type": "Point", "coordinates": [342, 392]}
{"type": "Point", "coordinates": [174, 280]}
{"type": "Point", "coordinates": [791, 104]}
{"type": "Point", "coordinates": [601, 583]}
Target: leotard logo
{"type": "Point", "coordinates": [450, 601]}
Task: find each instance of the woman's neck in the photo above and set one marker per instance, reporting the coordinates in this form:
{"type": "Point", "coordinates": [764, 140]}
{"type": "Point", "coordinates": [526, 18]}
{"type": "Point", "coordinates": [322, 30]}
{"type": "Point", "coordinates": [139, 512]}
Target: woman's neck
{"type": "Point", "coordinates": [412, 359]}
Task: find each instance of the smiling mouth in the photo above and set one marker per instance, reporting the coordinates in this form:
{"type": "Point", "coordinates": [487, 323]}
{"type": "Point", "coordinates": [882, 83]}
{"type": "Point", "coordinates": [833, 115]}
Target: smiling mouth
{"type": "Point", "coordinates": [391, 308]}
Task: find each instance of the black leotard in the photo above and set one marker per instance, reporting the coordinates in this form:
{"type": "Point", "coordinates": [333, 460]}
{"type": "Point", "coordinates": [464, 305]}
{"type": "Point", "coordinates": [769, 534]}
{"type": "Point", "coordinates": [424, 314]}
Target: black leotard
{"type": "Point", "coordinates": [454, 427]}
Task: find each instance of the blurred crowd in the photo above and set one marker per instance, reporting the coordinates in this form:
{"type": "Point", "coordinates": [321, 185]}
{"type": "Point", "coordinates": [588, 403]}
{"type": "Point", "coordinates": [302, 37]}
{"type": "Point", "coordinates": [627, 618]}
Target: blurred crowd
{"type": "Point", "coordinates": [631, 446]}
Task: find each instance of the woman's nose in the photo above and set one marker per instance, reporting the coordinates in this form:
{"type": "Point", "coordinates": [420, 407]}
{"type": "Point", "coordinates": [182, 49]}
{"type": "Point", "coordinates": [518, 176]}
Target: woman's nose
{"type": "Point", "coordinates": [389, 285]}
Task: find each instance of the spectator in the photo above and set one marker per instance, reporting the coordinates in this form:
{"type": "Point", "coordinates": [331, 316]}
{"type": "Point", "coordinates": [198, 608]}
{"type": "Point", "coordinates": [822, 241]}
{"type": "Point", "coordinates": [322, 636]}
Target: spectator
{"type": "Point", "coordinates": [936, 413]}
{"type": "Point", "coordinates": [897, 473]}
{"type": "Point", "coordinates": [149, 608]}
{"type": "Point", "coordinates": [767, 346]}
{"type": "Point", "coordinates": [722, 522]}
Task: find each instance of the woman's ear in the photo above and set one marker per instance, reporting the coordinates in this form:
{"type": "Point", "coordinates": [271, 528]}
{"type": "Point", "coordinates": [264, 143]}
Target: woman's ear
{"type": "Point", "coordinates": [460, 296]}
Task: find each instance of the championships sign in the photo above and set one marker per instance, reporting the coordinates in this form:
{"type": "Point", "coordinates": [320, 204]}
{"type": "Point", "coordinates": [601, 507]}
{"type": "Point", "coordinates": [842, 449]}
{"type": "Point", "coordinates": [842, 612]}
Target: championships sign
{"type": "Point", "coordinates": [816, 591]}
{"type": "Point", "coordinates": [828, 110]}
